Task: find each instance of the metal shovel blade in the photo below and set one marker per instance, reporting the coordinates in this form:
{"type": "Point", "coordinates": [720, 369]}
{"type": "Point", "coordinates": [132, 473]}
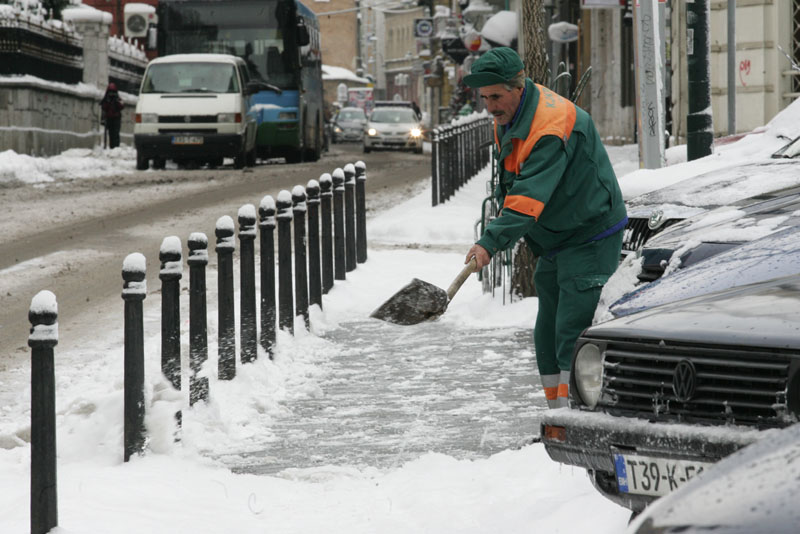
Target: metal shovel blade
{"type": "Point", "coordinates": [417, 302]}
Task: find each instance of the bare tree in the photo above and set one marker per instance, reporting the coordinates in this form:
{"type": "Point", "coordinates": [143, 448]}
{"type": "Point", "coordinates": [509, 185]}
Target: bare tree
{"type": "Point", "coordinates": [535, 51]}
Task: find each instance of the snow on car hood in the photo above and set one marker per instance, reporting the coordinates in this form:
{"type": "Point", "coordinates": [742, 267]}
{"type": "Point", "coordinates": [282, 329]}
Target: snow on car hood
{"type": "Point", "coordinates": [764, 259]}
{"type": "Point", "coordinates": [762, 315]}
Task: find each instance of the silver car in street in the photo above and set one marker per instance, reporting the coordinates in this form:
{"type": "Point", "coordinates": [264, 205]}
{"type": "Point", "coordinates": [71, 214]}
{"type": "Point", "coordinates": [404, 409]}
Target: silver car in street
{"type": "Point", "coordinates": [396, 128]}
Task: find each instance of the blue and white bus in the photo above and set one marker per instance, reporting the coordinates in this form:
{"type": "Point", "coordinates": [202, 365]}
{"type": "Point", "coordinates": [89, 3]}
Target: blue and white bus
{"type": "Point", "coordinates": [279, 40]}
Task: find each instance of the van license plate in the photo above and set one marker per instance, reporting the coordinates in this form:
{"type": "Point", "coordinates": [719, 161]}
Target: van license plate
{"type": "Point", "coordinates": [645, 475]}
{"type": "Point", "coordinates": [187, 140]}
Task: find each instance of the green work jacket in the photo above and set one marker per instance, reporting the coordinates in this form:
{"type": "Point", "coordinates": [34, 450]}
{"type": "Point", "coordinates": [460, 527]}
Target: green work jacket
{"type": "Point", "coordinates": [556, 183]}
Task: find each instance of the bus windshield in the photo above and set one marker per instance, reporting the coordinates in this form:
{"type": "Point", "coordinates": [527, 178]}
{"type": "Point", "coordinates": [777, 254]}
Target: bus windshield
{"type": "Point", "coordinates": [256, 31]}
{"type": "Point", "coordinates": [190, 78]}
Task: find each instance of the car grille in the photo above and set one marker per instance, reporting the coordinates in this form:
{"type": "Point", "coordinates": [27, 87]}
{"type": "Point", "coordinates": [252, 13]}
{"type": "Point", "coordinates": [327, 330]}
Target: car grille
{"type": "Point", "coordinates": [731, 385]}
{"type": "Point", "coordinates": [189, 119]}
{"type": "Point", "coordinates": [637, 232]}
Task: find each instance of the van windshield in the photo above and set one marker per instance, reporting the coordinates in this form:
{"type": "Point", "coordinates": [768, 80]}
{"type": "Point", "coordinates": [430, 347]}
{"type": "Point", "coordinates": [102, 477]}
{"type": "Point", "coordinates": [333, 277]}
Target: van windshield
{"type": "Point", "coordinates": [191, 77]}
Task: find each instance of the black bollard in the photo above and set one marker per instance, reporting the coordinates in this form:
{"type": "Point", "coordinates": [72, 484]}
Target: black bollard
{"type": "Point", "coordinates": [171, 272]}
{"type": "Point", "coordinates": [266, 213]}
{"type": "Point", "coordinates": [285, 295]}
{"type": "Point", "coordinates": [339, 266]}
{"type": "Point", "coordinates": [435, 167]}
{"type": "Point", "coordinates": [198, 328]}
{"type": "Point", "coordinates": [43, 316]}
{"type": "Point", "coordinates": [300, 269]}
{"type": "Point", "coordinates": [361, 212]}
{"type": "Point", "coordinates": [314, 273]}
{"type": "Point", "coordinates": [326, 202]}
{"type": "Point", "coordinates": [226, 327]}
{"type": "Point", "coordinates": [248, 334]}
{"type": "Point", "coordinates": [350, 216]}
{"type": "Point", "coordinates": [133, 293]}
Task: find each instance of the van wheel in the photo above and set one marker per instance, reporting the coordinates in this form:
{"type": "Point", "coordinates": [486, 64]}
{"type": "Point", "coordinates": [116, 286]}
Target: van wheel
{"type": "Point", "coordinates": [366, 149]}
{"type": "Point", "coordinates": [159, 163]}
{"type": "Point", "coordinates": [142, 163]}
{"type": "Point", "coordinates": [239, 160]}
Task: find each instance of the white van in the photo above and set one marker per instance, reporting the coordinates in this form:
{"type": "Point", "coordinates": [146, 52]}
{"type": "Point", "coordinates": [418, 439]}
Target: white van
{"type": "Point", "coordinates": [195, 108]}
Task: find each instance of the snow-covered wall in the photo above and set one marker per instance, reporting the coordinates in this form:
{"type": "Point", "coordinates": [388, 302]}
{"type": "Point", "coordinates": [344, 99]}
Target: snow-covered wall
{"type": "Point", "coordinates": [43, 118]}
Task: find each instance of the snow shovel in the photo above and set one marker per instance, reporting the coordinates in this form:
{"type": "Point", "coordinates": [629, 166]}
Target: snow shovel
{"type": "Point", "coordinates": [421, 301]}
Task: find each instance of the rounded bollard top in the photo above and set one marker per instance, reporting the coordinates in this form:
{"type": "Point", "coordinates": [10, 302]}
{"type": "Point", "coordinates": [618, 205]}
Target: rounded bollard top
{"type": "Point", "coordinates": [170, 255]}
{"type": "Point", "coordinates": [312, 190]}
{"type": "Point", "coordinates": [349, 169]}
{"type": "Point", "coordinates": [325, 183]}
{"type": "Point", "coordinates": [224, 231]}
{"type": "Point", "coordinates": [338, 175]}
{"type": "Point", "coordinates": [43, 316]}
{"type": "Point", "coordinates": [284, 205]}
{"type": "Point", "coordinates": [247, 221]}
{"type": "Point", "coordinates": [134, 268]}
{"type": "Point", "coordinates": [266, 211]}
{"type": "Point", "coordinates": [361, 169]}
{"type": "Point", "coordinates": [198, 247]}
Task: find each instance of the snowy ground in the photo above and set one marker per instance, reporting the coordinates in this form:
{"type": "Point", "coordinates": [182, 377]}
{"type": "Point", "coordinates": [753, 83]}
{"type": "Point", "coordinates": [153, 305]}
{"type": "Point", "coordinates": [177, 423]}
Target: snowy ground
{"type": "Point", "coordinates": [188, 487]}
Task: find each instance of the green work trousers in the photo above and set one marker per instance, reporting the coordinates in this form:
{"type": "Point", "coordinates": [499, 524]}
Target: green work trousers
{"type": "Point", "coordinates": [568, 284]}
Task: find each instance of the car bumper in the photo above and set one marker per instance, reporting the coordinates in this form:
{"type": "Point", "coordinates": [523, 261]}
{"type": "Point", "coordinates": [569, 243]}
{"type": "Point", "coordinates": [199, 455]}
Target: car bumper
{"type": "Point", "coordinates": [398, 143]}
{"type": "Point", "coordinates": [590, 439]}
{"type": "Point", "coordinates": [209, 145]}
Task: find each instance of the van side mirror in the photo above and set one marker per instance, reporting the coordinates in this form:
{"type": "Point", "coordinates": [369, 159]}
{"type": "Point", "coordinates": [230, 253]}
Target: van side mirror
{"type": "Point", "coordinates": [303, 37]}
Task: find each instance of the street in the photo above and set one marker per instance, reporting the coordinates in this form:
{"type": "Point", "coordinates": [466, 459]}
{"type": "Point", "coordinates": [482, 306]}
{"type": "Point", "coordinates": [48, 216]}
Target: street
{"type": "Point", "coordinates": [72, 236]}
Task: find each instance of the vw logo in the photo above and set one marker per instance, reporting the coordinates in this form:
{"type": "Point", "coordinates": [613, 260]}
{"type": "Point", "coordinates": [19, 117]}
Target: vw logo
{"type": "Point", "coordinates": [656, 219]}
{"type": "Point", "coordinates": [684, 381]}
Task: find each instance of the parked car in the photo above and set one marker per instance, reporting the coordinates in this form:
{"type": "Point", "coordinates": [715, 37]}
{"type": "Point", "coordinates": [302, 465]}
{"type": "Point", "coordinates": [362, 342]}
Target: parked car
{"type": "Point", "coordinates": [393, 127]}
{"type": "Point", "coordinates": [657, 210]}
{"type": "Point", "coordinates": [753, 491]}
{"type": "Point", "coordinates": [659, 396]}
{"type": "Point", "coordinates": [196, 107]}
{"type": "Point", "coordinates": [348, 125]}
{"type": "Point", "coordinates": [703, 236]}
{"type": "Point", "coordinates": [774, 255]}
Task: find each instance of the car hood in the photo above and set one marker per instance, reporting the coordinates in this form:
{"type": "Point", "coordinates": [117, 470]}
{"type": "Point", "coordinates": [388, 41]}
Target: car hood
{"type": "Point", "coordinates": [753, 491]}
{"type": "Point", "coordinates": [393, 125]}
{"type": "Point", "coordinates": [765, 314]}
{"type": "Point", "coordinates": [351, 124]}
{"type": "Point", "coordinates": [716, 188]}
{"type": "Point", "coordinates": [760, 260]}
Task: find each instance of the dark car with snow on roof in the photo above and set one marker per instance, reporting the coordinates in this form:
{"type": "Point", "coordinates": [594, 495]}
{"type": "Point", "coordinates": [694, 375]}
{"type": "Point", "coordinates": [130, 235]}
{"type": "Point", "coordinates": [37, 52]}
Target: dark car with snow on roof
{"type": "Point", "coordinates": [700, 237]}
{"type": "Point", "coordinates": [653, 212]}
{"type": "Point", "coordinates": [657, 397]}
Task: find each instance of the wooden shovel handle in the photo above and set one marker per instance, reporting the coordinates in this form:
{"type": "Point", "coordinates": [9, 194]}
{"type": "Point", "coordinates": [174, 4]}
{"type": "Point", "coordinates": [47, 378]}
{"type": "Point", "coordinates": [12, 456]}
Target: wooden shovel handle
{"type": "Point", "coordinates": [468, 269]}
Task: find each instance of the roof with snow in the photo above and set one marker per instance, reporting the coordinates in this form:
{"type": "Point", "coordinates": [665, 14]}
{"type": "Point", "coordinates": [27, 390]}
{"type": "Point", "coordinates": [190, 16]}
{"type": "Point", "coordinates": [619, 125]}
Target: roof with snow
{"type": "Point", "coordinates": [330, 72]}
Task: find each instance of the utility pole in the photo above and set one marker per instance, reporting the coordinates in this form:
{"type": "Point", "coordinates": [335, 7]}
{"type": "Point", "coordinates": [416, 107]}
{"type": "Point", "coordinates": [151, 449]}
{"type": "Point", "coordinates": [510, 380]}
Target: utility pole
{"type": "Point", "coordinates": [359, 60]}
{"type": "Point", "coordinates": [699, 121]}
{"type": "Point", "coordinates": [731, 67]}
{"type": "Point", "coordinates": [650, 77]}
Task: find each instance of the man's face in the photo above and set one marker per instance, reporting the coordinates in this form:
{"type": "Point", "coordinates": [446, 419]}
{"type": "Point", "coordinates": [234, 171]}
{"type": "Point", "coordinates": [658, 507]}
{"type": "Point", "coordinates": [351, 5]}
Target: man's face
{"type": "Point", "coordinates": [501, 102]}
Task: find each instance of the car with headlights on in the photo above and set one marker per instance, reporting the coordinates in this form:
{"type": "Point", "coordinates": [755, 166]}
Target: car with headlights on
{"type": "Point", "coordinates": [348, 126]}
{"type": "Point", "coordinates": [653, 212]}
{"type": "Point", "coordinates": [658, 397]}
{"type": "Point", "coordinates": [394, 128]}
{"type": "Point", "coordinates": [753, 491]}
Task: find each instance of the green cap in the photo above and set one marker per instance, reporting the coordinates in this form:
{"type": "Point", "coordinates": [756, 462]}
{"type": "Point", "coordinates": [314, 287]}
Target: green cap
{"type": "Point", "coordinates": [498, 65]}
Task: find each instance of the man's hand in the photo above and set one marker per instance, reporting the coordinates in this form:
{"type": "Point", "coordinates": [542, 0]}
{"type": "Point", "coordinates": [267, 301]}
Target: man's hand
{"type": "Point", "coordinates": [481, 256]}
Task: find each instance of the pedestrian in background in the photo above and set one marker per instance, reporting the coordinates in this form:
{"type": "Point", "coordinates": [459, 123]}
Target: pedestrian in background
{"type": "Point", "coordinates": [111, 107]}
{"type": "Point", "coordinates": [558, 191]}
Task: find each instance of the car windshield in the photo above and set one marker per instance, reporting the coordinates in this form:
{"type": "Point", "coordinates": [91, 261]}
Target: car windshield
{"type": "Point", "coordinates": [351, 115]}
{"type": "Point", "coordinates": [393, 115]}
{"type": "Point", "coordinates": [192, 77]}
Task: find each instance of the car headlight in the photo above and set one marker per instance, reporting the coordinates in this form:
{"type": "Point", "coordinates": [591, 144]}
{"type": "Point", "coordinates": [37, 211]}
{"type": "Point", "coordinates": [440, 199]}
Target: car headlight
{"type": "Point", "coordinates": [229, 117]}
{"type": "Point", "coordinates": [287, 115]}
{"type": "Point", "coordinates": [588, 371]}
{"type": "Point", "coordinates": [372, 131]}
{"type": "Point", "coordinates": [416, 132]}
{"type": "Point", "coordinates": [337, 129]}
{"type": "Point", "coordinates": [147, 118]}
